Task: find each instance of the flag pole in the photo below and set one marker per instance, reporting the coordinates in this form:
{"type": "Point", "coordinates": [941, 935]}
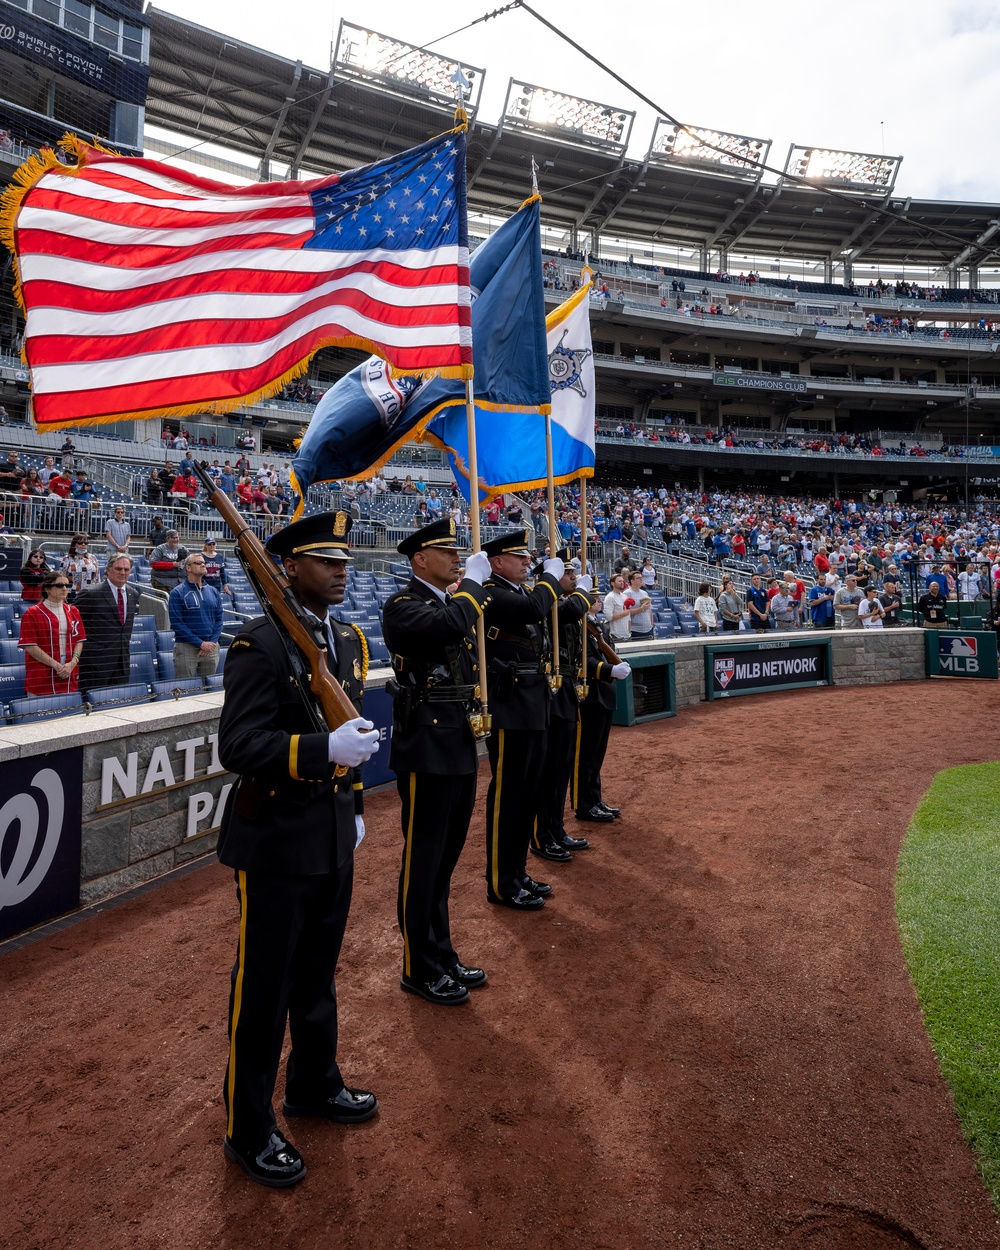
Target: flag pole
{"type": "Point", "coordinates": [581, 689]}
{"type": "Point", "coordinates": [482, 727]}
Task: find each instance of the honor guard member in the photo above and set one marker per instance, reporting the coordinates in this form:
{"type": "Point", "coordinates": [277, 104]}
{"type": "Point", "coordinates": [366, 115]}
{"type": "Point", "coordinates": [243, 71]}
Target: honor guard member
{"type": "Point", "coordinates": [435, 690]}
{"type": "Point", "coordinates": [596, 712]}
{"type": "Point", "coordinates": [550, 839]}
{"type": "Point", "coordinates": [289, 831]}
{"type": "Point", "coordinates": [519, 702]}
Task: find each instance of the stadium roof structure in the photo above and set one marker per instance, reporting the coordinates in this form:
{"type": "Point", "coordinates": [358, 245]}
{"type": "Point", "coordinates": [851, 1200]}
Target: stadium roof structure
{"type": "Point", "coordinates": [210, 86]}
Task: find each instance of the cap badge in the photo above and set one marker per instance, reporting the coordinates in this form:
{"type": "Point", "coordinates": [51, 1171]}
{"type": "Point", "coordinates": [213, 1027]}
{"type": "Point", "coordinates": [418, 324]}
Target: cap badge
{"type": "Point", "coordinates": [340, 525]}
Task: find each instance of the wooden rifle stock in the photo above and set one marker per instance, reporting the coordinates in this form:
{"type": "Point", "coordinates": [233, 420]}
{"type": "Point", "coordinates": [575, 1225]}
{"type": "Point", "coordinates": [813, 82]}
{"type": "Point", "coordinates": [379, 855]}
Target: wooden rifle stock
{"type": "Point", "coordinates": [282, 608]}
{"type": "Point", "coordinates": [603, 646]}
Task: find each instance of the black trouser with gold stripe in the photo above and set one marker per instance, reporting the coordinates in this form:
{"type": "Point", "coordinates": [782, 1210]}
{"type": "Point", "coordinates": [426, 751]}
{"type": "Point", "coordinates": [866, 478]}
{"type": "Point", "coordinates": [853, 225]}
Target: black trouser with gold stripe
{"type": "Point", "coordinates": [591, 747]}
{"type": "Point", "coordinates": [435, 817]}
{"type": "Point", "coordinates": [291, 929]}
{"type": "Point", "coordinates": [517, 757]}
{"type": "Point", "coordinates": [559, 748]}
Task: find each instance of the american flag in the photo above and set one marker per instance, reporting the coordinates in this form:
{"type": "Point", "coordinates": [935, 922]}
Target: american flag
{"type": "Point", "coordinates": [150, 291]}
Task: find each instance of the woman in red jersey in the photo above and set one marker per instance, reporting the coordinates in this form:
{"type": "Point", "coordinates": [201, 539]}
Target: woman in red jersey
{"type": "Point", "coordinates": [52, 638]}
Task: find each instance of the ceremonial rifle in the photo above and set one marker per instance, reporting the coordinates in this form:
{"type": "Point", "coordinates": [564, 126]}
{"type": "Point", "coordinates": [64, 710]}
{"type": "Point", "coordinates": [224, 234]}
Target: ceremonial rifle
{"type": "Point", "coordinates": [603, 646]}
{"type": "Point", "coordinates": [302, 635]}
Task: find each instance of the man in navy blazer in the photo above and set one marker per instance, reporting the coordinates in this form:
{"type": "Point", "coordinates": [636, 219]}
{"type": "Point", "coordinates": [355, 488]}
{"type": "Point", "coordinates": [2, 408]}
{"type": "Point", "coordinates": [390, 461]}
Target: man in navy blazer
{"type": "Point", "coordinates": [108, 613]}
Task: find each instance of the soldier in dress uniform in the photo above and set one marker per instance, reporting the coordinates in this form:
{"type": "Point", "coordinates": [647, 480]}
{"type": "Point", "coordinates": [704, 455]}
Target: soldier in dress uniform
{"type": "Point", "coordinates": [289, 831]}
{"type": "Point", "coordinates": [550, 839]}
{"type": "Point", "coordinates": [519, 702]}
{"type": "Point", "coordinates": [436, 689]}
{"type": "Point", "coordinates": [596, 712]}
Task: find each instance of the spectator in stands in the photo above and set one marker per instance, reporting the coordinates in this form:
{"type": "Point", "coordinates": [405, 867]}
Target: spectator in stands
{"type": "Point", "coordinates": [846, 602]}
{"type": "Point", "coordinates": [215, 566]}
{"type": "Point", "coordinates": [870, 610]}
{"type": "Point", "coordinates": [729, 606]}
{"type": "Point", "coordinates": [32, 573]}
{"type": "Point", "coordinates": [48, 469]}
{"type": "Point", "coordinates": [183, 490]}
{"type": "Point", "coordinates": [637, 598]}
{"type": "Point", "coordinates": [60, 484]}
{"type": "Point", "coordinates": [891, 603]}
{"type": "Point", "coordinates": [933, 607]}
{"type": "Point", "coordinates": [797, 589]}
{"type": "Point", "coordinates": [196, 619]}
{"type": "Point", "coordinates": [166, 561]}
{"type": "Point", "coordinates": [82, 489]}
{"type": "Point", "coordinates": [624, 563]}
{"type": "Point", "coordinates": [970, 584]}
{"type": "Point", "coordinates": [244, 492]}
{"type": "Point", "coordinates": [820, 602]}
{"type": "Point", "coordinates": [52, 637]}
{"type": "Point", "coordinates": [422, 515]}
{"type": "Point", "coordinates": [68, 447]}
{"type": "Point", "coordinates": [783, 607]}
{"type": "Point", "coordinates": [32, 485]}
{"type": "Point", "coordinates": [11, 474]}
{"type": "Point", "coordinates": [758, 605]}
{"type": "Point", "coordinates": [648, 573]}
{"type": "Point", "coordinates": [108, 614]}
{"type": "Point", "coordinates": [706, 610]}
{"type": "Point", "coordinates": [168, 475]}
{"type": "Point", "coordinates": [227, 480]}
{"type": "Point", "coordinates": [617, 616]}
{"type": "Point", "coordinates": [80, 566]}
{"type": "Point", "coordinates": [153, 489]}
{"type": "Point", "coordinates": [408, 486]}
{"type": "Point", "coordinates": [118, 533]}
{"type": "Point", "coordinates": [764, 567]}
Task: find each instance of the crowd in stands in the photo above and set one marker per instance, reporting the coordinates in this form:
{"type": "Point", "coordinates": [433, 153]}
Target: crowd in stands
{"type": "Point", "coordinates": [864, 445]}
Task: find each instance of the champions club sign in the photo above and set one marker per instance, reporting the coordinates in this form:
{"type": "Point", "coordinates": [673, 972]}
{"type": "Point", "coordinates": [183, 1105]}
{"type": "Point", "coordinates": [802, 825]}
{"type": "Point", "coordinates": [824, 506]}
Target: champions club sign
{"type": "Point", "coordinates": [756, 667]}
{"type": "Point", "coordinates": [39, 839]}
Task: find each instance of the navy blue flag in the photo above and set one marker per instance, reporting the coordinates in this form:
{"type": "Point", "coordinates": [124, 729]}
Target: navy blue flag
{"type": "Point", "coordinates": [371, 412]}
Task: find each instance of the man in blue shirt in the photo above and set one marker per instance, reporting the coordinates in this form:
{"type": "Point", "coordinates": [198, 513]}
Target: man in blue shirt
{"type": "Point", "coordinates": [821, 605]}
{"type": "Point", "coordinates": [757, 605]}
{"type": "Point", "coordinates": [196, 619]}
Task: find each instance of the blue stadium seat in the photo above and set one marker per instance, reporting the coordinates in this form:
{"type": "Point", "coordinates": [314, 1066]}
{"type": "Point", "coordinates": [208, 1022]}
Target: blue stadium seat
{"type": "Point", "coordinates": [113, 696]}
{"type": "Point", "coordinates": [164, 640]}
{"type": "Point", "coordinates": [44, 707]}
{"type": "Point", "coordinates": [165, 664]}
{"type": "Point", "coordinates": [11, 681]}
{"type": "Point", "coordinates": [358, 617]}
{"type": "Point", "coordinates": [179, 688]}
{"type": "Point", "coordinates": [10, 653]}
{"type": "Point", "coordinates": [141, 667]}
{"type": "Point", "coordinates": [223, 652]}
{"type": "Point", "coordinates": [214, 682]}
{"type": "Point", "coordinates": [378, 652]}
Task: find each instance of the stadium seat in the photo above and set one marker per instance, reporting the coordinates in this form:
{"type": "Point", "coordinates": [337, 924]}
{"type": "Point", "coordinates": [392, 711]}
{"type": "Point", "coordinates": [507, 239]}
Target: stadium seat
{"type": "Point", "coordinates": [11, 681]}
{"type": "Point", "coordinates": [141, 667]}
{"type": "Point", "coordinates": [164, 640]}
{"type": "Point", "coordinates": [378, 652]}
{"type": "Point", "coordinates": [214, 682]}
{"type": "Point", "coordinates": [165, 664]}
{"type": "Point", "coordinates": [113, 696]}
{"type": "Point", "coordinates": [44, 707]}
{"type": "Point", "coordinates": [178, 688]}
{"type": "Point", "coordinates": [223, 652]}
{"type": "Point", "coordinates": [10, 653]}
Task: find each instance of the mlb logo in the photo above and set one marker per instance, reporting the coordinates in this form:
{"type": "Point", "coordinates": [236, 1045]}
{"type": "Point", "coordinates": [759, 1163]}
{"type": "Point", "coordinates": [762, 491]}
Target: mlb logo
{"type": "Point", "coordinates": [724, 670]}
{"type": "Point", "coordinates": [965, 647]}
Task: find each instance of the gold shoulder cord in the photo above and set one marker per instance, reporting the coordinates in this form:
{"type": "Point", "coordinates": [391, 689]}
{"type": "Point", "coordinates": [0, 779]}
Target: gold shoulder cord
{"type": "Point", "coordinates": [364, 652]}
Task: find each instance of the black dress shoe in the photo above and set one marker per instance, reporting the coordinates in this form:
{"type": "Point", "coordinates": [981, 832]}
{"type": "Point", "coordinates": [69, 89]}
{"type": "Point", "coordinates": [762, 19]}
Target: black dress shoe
{"type": "Point", "coordinates": [278, 1165]}
{"type": "Point", "coordinates": [572, 844]}
{"type": "Point", "coordinates": [550, 850]}
{"type": "Point", "coordinates": [445, 990]}
{"type": "Point", "coordinates": [350, 1106]}
{"type": "Point", "coordinates": [541, 889]}
{"type": "Point", "coordinates": [471, 978]}
{"type": "Point", "coordinates": [596, 814]}
{"type": "Point", "coordinates": [615, 811]}
{"type": "Point", "coordinates": [521, 900]}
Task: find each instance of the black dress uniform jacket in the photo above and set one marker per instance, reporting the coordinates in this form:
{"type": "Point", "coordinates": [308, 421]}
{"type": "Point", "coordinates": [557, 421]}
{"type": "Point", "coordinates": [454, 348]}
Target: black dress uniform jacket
{"type": "Point", "coordinates": [288, 814]}
{"type": "Point", "coordinates": [572, 610]}
{"type": "Point", "coordinates": [515, 638]}
{"type": "Point", "coordinates": [424, 636]}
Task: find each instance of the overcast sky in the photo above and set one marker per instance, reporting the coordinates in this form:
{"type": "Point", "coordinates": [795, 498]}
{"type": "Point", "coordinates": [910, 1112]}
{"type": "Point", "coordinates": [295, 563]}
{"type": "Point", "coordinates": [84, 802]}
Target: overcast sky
{"type": "Point", "coordinates": [914, 78]}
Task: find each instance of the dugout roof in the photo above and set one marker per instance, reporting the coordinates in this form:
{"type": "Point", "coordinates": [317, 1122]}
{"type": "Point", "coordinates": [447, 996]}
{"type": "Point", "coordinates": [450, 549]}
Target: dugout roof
{"type": "Point", "coordinates": [208, 85]}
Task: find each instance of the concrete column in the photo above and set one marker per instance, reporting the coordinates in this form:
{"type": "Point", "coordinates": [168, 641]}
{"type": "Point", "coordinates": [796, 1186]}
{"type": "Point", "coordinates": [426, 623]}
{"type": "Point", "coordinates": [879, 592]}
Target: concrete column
{"type": "Point", "coordinates": [836, 487]}
{"type": "Point", "coordinates": [701, 480]}
{"type": "Point", "coordinates": [828, 269]}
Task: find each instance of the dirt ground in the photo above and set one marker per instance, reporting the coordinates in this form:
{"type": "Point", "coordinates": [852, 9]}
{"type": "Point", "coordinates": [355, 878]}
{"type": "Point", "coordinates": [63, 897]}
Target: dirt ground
{"type": "Point", "coordinates": [706, 1039]}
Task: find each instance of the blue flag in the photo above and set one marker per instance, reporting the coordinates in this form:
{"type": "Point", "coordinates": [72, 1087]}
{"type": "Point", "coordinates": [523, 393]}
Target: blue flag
{"type": "Point", "coordinates": [511, 452]}
{"type": "Point", "coordinates": [371, 412]}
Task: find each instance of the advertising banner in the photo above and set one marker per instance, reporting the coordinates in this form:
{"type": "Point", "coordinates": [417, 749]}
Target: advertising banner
{"type": "Point", "coordinates": [960, 653]}
{"type": "Point", "coordinates": [743, 383]}
{"type": "Point", "coordinates": [755, 667]}
{"type": "Point", "coordinates": [40, 839]}
{"type": "Point", "coordinates": [70, 55]}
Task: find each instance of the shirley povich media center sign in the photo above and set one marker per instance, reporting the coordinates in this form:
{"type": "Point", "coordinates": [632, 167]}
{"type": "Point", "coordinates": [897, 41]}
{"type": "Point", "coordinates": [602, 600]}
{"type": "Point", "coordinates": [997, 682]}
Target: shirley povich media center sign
{"type": "Point", "coordinates": [784, 663]}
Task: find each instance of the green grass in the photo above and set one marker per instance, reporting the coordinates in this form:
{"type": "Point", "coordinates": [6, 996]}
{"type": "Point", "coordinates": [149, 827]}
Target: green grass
{"type": "Point", "coordinates": [948, 906]}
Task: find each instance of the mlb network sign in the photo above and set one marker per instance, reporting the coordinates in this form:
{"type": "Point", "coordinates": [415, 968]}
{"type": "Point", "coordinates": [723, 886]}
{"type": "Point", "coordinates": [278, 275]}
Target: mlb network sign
{"type": "Point", "coordinates": [755, 667]}
{"type": "Point", "coordinates": [952, 654]}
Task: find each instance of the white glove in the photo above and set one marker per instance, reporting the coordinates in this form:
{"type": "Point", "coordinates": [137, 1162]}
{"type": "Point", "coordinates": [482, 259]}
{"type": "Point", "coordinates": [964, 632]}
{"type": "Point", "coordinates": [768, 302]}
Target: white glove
{"type": "Point", "coordinates": [359, 829]}
{"type": "Point", "coordinates": [350, 746]}
{"type": "Point", "coordinates": [554, 567]}
{"type": "Point", "coordinates": [478, 567]}
{"type": "Point", "coordinates": [621, 671]}
{"type": "Point", "coordinates": [585, 582]}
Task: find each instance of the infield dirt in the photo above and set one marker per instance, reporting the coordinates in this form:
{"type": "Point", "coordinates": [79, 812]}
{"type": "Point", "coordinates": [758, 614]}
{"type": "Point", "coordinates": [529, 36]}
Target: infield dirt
{"type": "Point", "coordinates": [706, 1039]}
